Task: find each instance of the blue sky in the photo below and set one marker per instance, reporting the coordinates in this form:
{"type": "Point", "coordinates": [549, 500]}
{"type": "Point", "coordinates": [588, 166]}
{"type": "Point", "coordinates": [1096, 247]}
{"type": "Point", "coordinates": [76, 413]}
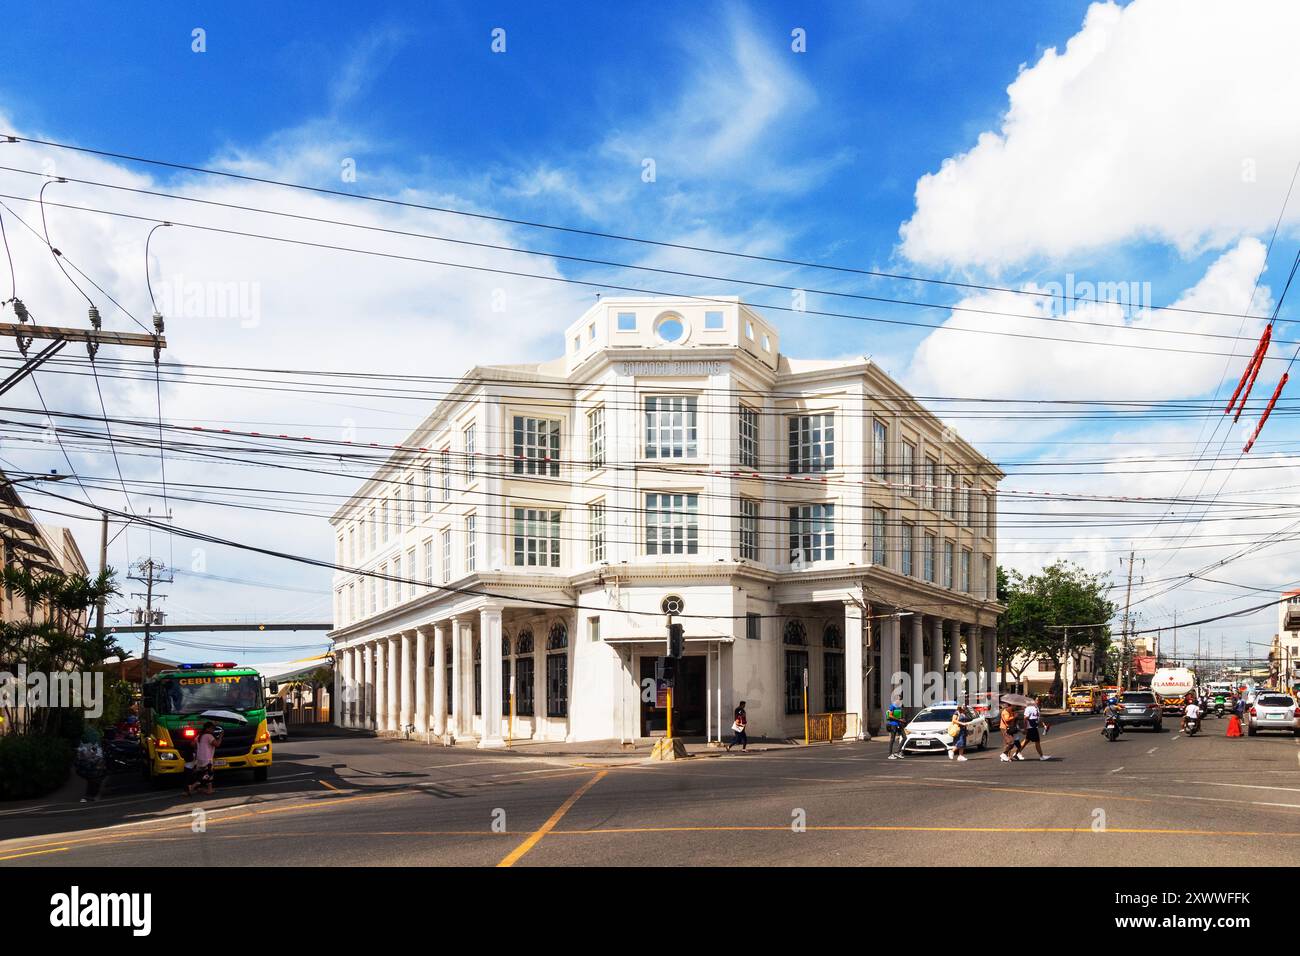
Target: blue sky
{"type": "Point", "coordinates": [1138, 143]}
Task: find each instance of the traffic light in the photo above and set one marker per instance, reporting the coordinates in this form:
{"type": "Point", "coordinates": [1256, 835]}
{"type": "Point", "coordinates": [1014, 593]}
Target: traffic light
{"type": "Point", "coordinates": [670, 671]}
{"type": "Point", "coordinates": [676, 641]}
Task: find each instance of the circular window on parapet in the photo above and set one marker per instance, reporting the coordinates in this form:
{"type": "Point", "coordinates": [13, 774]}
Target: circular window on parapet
{"type": "Point", "coordinates": [670, 329]}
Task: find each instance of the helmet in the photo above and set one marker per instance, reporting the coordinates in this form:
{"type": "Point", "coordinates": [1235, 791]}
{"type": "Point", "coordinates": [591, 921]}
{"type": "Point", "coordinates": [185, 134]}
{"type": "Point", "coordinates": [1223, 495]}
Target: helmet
{"type": "Point", "coordinates": [1112, 699]}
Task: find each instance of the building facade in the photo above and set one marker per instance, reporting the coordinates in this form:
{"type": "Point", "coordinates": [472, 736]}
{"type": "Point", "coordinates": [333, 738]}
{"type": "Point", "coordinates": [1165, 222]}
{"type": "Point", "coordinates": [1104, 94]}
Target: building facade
{"type": "Point", "coordinates": [815, 523]}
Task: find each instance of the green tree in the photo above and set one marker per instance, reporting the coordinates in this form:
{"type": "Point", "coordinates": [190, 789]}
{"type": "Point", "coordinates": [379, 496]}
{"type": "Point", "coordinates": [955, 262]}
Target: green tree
{"type": "Point", "coordinates": [1062, 610]}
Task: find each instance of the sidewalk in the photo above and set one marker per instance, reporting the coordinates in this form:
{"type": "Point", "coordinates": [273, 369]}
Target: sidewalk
{"type": "Point", "coordinates": [615, 748]}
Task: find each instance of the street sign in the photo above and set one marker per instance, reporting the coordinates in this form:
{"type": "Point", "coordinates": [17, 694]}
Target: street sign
{"type": "Point", "coordinates": [661, 694]}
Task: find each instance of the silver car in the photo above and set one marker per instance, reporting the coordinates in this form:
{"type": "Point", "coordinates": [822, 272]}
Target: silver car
{"type": "Point", "coordinates": [1273, 711]}
{"type": "Point", "coordinates": [927, 732]}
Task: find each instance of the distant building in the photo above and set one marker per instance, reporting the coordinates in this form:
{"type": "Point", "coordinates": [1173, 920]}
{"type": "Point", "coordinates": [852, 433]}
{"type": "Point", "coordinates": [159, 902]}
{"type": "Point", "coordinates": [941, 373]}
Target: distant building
{"type": "Point", "coordinates": [812, 517]}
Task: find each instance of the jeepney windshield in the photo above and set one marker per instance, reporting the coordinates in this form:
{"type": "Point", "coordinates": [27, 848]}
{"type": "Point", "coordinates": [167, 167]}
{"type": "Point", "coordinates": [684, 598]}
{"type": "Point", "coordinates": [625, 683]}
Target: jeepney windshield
{"type": "Point", "coordinates": [195, 694]}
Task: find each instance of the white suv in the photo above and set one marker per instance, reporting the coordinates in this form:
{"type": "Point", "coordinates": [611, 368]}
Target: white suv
{"type": "Point", "coordinates": [1273, 711]}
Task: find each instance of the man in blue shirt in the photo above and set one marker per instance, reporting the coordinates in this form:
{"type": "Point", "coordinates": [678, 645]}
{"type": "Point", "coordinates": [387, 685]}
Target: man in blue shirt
{"type": "Point", "coordinates": [894, 724]}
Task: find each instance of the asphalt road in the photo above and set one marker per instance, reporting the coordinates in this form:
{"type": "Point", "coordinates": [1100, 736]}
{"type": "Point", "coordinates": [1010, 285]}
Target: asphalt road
{"type": "Point", "coordinates": [1147, 798]}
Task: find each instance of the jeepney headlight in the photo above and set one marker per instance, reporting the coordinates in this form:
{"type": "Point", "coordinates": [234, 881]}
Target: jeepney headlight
{"type": "Point", "coordinates": [262, 749]}
{"type": "Point", "coordinates": [168, 755]}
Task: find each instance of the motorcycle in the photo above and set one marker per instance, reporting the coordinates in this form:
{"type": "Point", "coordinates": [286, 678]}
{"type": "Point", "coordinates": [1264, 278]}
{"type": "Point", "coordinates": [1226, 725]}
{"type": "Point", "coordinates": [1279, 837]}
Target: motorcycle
{"type": "Point", "coordinates": [1193, 725]}
{"type": "Point", "coordinates": [122, 753]}
{"type": "Point", "coordinates": [1111, 729]}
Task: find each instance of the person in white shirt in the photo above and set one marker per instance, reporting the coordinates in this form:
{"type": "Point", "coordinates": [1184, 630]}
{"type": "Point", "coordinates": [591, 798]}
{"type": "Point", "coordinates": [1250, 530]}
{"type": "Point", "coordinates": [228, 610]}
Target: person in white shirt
{"type": "Point", "coordinates": [205, 751]}
{"type": "Point", "coordinates": [1033, 732]}
{"type": "Point", "coordinates": [1190, 712]}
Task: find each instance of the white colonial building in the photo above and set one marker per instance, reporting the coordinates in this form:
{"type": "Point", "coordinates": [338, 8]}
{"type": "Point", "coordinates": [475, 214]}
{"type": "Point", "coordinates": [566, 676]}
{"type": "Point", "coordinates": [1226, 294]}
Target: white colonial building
{"type": "Point", "coordinates": [811, 515]}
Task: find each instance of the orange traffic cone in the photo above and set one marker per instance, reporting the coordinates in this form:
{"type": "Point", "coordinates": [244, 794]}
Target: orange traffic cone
{"type": "Point", "coordinates": [1234, 726]}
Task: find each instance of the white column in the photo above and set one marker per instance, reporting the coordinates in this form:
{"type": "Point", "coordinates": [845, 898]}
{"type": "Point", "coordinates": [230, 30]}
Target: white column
{"type": "Point", "coordinates": [342, 666]}
{"type": "Point", "coordinates": [918, 662]}
{"type": "Point", "coordinates": [440, 678]}
{"type": "Point", "coordinates": [392, 714]}
{"type": "Point", "coordinates": [365, 687]}
{"type": "Point", "coordinates": [974, 641]}
{"type": "Point", "coordinates": [356, 678]}
{"type": "Point", "coordinates": [421, 671]}
{"type": "Point", "coordinates": [854, 696]}
{"type": "Point", "coordinates": [889, 659]}
{"type": "Point", "coordinates": [490, 641]}
{"type": "Point", "coordinates": [957, 666]}
{"type": "Point", "coordinates": [381, 684]}
{"type": "Point", "coordinates": [459, 723]}
{"type": "Point", "coordinates": [406, 675]}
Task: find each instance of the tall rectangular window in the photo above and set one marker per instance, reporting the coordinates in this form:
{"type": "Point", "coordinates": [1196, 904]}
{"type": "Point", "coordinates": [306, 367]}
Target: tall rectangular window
{"type": "Point", "coordinates": [947, 564]}
{"type": "Point", "coordinates": [812, 443]}
{"type": "Point", "coordinates": [410, 501]}
{"type": "Point", "coordinates": [965, 570]}
{"type": "Point", "coordinates": [963, 504]}
{"type": "Point", "coordinates": [395, 581]}
{"type": "Point", "coordinates": [470, 451]}
{"type": "Point", "coordinates": [879, 541]}
{"type": "Point", "coordinates": [352, 603]}
{"type": "Point", "coordinates": [428, 561]}
{"type": "Point", "coordinates": [428, 489]}
{"type": "Point", "coordinates": [446, 474]}
{"type": "Point", "coordinates": [596, 530]}
{"type": "Point", "coordinates": [905, 548]}
{"type": "Point", "coordinates": [557, 685]}
{"type": "Point", "coordinates": [537, 537]}
{"type": "Point", "coordinates": [372, 527]}
{"type": "Point", "coordinates": [352, 545]}
{"type": "Point", "coordinates": [670, 427]}
{"type": "Point", "coordinates": [931, 483]}
{"type": "Point", "coordinates": [748, 437]}
{"type": "Point", "coordinates": [446, 556]}
{"type": "Point", "coordinates": [949, 493]}
{"type": "Point", "coordinates": [753, 626]}
{"type": "Point", "coordinates": [812, 532]}
{"type": "Point", "coordinates": [796, 663]}
{"type": "Point", "coordinates": [408, 586]}
{"type": "Point", "coordinates": [927, 557]}
{"type": "Point", "coordinates": [471, 543]}
{"type": "Point", "coordinates": [879, 449]}
{"type": "Point", "coordinates": [383, 518]}
{"type": "Point", "coordinates": [748, 529]}
{"type": "Point", "coordinates": [537, 446]}
{"type": "Point", "coordinates": [976, 509]}
{"type": "Point", "coordinates": [596, 438]}
{"type": "Point", "coordinates": [672, 524]}
{"type": "Point", "coordinates": [906, 466]}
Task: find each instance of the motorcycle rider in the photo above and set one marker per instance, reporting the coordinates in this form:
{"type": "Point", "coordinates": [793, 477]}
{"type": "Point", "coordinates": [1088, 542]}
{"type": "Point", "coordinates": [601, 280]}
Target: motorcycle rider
{"type": "Point", "coordinates": [1110, 713]}
{"type": "Point", "coordinates": [1190, 712]}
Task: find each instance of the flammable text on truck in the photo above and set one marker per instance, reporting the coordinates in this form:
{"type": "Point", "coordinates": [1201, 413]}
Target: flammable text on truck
{"type": "Point", "coordinates": [178, 702]}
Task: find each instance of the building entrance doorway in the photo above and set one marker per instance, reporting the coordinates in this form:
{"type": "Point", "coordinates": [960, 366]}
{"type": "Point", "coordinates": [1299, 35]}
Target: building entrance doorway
{"type": "Point", "coordinates": [690, 700]}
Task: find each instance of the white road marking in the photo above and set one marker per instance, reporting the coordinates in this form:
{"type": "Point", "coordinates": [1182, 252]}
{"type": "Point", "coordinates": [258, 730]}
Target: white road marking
{"type": "Point", "coordinates": [1293, 806]}
{"type": "Point", "coordinates": [1117, 770]}
{"type": "Point", "coordinates": [1244, 786]}
{"type": "Point", "coordinates": [1153, 750]}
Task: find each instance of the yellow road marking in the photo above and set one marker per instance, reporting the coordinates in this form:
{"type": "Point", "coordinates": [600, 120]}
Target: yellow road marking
{"type": "Point", "coordinates": [60, 849]}
{"type": "Point", "coordinates": [517, 854]}
{"type": "Point", "coordinates": [326, 783]}
{"type": "Point", "coordinates": [785, 828]}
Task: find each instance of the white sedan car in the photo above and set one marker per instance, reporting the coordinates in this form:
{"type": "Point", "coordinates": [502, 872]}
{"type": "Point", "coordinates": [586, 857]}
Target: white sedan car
{"type": "Point", "coordinates": [927, 732]}
{"type": "Point", "coordinates": [1273, 711]}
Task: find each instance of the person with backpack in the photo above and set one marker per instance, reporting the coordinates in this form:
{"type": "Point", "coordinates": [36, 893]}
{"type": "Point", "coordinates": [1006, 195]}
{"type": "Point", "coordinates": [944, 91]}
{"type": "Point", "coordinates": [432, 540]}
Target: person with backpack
{"type": "Point", "coordinates": [90, 764]}
{"type": "Point", "coordinates": [957, 730]}
{"type": "Point", "coordinates": [894, 724]}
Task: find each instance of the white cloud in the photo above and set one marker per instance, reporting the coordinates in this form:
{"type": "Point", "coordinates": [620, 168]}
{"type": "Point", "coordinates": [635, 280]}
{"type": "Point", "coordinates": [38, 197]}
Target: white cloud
{"type": "Point", "coordinates": [1000, 366]}
{"type": "Point", "coordinates": [1159, 120]}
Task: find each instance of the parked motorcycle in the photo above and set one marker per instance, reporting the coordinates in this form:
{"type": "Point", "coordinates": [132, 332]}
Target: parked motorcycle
{"type": "Point", "coordinates": [1111, 729]}
{"type": "Point", "coordinates": [122, 752]}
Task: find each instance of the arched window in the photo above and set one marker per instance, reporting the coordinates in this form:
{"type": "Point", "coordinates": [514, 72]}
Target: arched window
{"type": "Point", "coordinates": [505, 644]}
{"type": "Point", "coordinates": [832, 636]}
{"type": "Point", "coordinates": [795, 632]}
{"type": "Point", "coordinates": [557, 671]}
{"type": "Point", "coordinates": [524, 642]}
{"type": "Point", "coordinates": [833, 681]}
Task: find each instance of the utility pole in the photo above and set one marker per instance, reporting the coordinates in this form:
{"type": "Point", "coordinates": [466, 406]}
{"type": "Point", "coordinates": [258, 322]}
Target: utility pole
{"type": "Point", "coordinates": [103, 567]}
{"type": "Point", "coordinates": [151, 572]}
{"type": "Point", "coordinates": [1127, 662]}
